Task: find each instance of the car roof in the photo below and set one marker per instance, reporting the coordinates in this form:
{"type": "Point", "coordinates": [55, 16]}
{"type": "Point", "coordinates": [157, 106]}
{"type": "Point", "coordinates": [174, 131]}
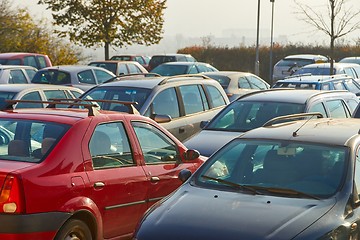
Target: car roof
{"type": "Point", "coordinates": [314, 78]}
{"type": "Point", "coordinates": [15, 54]}
{"type": "Point", "coordinates": [71, 68]}
{"type": "Point", "coordinates": [299, 96]}
{"type": "Point", "coordinates": [114, 61]}
{"type": "Point", "coordinates": [320, 130]}
{"type": "Point", "coordinates": [171, 54]}
{"type": "Point", "coordinates": [306, 56]}
{"type": "Point", "coordinates": [327, 65]}
{"type": "Point", "coordinates": [20, 87]}
{"type": "Point", "coordinates": [17, 67]}
{"type": "Point", "coordinates": [151, 82]}
{"type": "Point", "coordinates": [184, 63]}
{"type": "Point", "coordinates": [226, 73]}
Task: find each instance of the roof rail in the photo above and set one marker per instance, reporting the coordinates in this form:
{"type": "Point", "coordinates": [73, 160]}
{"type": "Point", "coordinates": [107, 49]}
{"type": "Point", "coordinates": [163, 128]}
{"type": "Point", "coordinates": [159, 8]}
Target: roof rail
{"type": "Point", "coordinates": [292, 116]}
{"type": "Point", "coordinates": [261, 91]}
{"type": "Point", "coordinates": [181, 77]}
{"type": "Point", "coordinates": [129, 105]}
{"type": "Point", "coordinates": [298, 75]}
{"type": "Point", "coordinates": [117, 78]}
{"type": "Point", "coordinates": [52, 104]}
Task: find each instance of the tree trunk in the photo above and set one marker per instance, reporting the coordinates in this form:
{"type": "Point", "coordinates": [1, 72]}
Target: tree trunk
{"type": "Point", "coordinates": [332, 37]}
{"type": "Point", "coordinates": [106, 47]}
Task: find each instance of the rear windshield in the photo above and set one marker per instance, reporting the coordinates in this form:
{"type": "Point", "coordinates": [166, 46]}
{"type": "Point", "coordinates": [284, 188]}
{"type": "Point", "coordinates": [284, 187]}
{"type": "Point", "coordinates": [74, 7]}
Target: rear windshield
{"type": "Point", "coordinates": [127, 94]}
{"type": "Point", "coordinates": [294, 62]}
{"type": "Point", "coordinates": [297, 85]}
{"type": "Point", "coordinates": [170, 70]}
{"type": "Point", "coordinates": [28, 141]}
{"type": "Point", "coordinates": [52, 77]}
{"type": "Point", "coordinates": [314, 71]}
{"type": "Point", "coordinates": [108, 66]}
{"type": "Point", "coordinates": [121, 58]}
{"type": "Point", "coordinates": [4, 96]}
{"type": "Point", "coordinates": [223, 80]}
{"type": "Point", "coordinates": [242, 116]}
{"type": "Point", "coordinates": [10, 62]}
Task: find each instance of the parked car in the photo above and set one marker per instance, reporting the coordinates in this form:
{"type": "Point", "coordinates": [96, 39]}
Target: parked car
{"type": "Point", "coordinates": [289, 64]}
{"type": "Point", "coordinates": [143, 60]}
{"type": "Point", "coordinates": [179, 103]}
{"type": "Point", "coordinates": [16, 74]}
{"type": "Point", "coordinates": [254, 109]}
{"type": "Point", "coordinates": [297, 180]}
{"type": "Point", "coordinates": [181, 68]}
{"type": "Point", "coordinates": [35, 92]}
{"type": "Point", "coordinates": [35, 60]}
{"type": "Point", "coordinates": [163, 58]}
{"type": "Point", "coordinates": [81, 174]}
{"type": "Point", "coordinates": [120, 67]}
{"type": "Point", "coordinates": [237, 84]}
{"type": "Point", "coordinates": [351, 69]}
{"type": "Point", "coordinates": [80, 76]}
{"type": "Point", "coordinates": [320, 82]}
{"type": "Point", "coordinates": [350, 60]}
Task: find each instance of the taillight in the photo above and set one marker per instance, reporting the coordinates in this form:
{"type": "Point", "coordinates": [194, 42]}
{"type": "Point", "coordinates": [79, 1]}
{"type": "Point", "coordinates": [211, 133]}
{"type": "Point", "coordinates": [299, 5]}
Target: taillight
{"type": "Point", "coordinates": [229, 94]}
{"type": "Point", "coordinates": [11, 196]}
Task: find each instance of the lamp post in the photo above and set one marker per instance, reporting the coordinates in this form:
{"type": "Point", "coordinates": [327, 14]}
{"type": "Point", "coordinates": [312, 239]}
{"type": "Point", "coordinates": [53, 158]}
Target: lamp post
{"type": "Point", "coordinates": [257, 62]}
{"type": "Point", "coordinates": [271, 41]}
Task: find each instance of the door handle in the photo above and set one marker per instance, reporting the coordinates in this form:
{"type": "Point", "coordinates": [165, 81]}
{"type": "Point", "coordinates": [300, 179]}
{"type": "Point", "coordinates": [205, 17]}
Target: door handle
{"type": "Point", "coordinates": [99, 185]}
{"type": "Point", "coordinates": [154, 179]}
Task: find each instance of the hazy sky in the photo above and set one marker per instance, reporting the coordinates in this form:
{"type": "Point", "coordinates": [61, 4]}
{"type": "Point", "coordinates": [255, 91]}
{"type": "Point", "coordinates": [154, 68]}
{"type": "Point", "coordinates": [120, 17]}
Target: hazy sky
{"type": "Point", "coordinates": [199, 18]}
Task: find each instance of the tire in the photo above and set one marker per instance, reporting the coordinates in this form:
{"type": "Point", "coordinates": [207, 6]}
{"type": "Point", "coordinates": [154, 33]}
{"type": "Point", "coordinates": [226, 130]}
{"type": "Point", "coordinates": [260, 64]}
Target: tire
{"type": "Point", "coordinates": [74, 229]}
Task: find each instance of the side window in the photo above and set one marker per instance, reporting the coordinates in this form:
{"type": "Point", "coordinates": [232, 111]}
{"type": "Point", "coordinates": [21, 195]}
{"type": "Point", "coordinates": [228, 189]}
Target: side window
{"type": "Point", "coordinates": [325, 86]}
{"type": "Point", "coordinates": [191, 98]}
{"type": "Point", "coordinates": [352, 86]}
{"type": "Point", "coordinates": [156, 147]}
{"type": "Point", "coordinates": [192, 70]}
{"type": "Point", "coordinates": [318, 107]}
{"type": "Point", "coordinates": [215, 96]}
{"type": "Point", "coordinates": [357, 173]}
{"type": "Point", "coordinates": [122, 69]}
{"type": "Point", "coordinates": [30, 96]}
{"type": "Point", "coordinates": [102, 76]}
{"type": "Point", "coordinates": [17, 76]}
{"type": "Point", "coordinates": [140, 60]}
{"type": "Point", "coordinates": [51, 94]}
{"type": "Point", "coordinates": [86, 77]}
{"type": "Point", "coordinates": [352, 104]}
{"type": "Point", "coordinates": [256, 83]}
{"type": "Point", "coordinates": [166, 102]}
{"type": "Point", "coordinates": [243, 83]}
{"type": "Point", "coordinates": [42, 61]}
{"type": "Point", "coordinates": [30, 61]}
{"type": "Point", "coordinates": [337, 109]}
{"type": "Point", "coordinates": [350, 72]}
{"type": "Point", "coordinates": [339, 86]}
{"type": "Point", "coordinates": [76, 94]}
{"type": "Point", "coordinates": [30, 73]}
{"type": "Point", "coordinates": [203, 69]}
{"type": "Point", "coordinates": [109, 146]}
{"type": "Point", "coordinates": [133, 68]}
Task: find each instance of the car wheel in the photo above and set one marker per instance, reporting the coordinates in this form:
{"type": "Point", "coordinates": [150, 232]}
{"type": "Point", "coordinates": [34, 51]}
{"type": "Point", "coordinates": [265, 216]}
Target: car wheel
{"type": "Point", "coordinates": [74, 230]}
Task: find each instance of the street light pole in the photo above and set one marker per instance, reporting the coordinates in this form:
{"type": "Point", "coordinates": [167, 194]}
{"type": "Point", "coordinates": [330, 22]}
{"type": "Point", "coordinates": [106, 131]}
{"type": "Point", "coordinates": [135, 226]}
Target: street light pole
{"type": "Point", "coordinates": [257, 62]}
{"type": "Point", "coordinates": [271, 41]}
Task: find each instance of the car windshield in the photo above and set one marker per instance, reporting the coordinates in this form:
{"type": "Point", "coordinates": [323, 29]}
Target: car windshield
{"type": "Point", "coordinates": [242, 116]}
{"type": "Point", "coordinates": [28, 141]}
{"type": "Point", "coordinates": [314, 71]}
{"type": "Point", "coordinates": [128, 94]}
{"type": "Point", "coordinates": [223, 80]}
{"type": "Point", "coordinates": [281, 168]}
{"type": "Point", "coordinates": [170, 70]}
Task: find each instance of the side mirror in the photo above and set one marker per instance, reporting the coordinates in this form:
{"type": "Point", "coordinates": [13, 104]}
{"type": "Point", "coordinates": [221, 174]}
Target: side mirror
{"type": "Point", "coordinates": [191, 154]}
{"type": "Point", "coordinates": [160, 118]}
{"type": "Point", "coordinates": [184, 175]}
{"type": "Point", "coordinates": [203, 124]}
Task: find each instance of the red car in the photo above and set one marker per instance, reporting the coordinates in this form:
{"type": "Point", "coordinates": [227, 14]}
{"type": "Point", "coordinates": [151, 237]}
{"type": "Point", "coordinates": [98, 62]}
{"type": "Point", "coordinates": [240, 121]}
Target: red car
{"type": "Point", "coordinates": [83, 174]}
{"type": "Point", "coordinates": [35, 60]}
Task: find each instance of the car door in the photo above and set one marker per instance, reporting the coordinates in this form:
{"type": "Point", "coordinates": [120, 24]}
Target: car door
{"type": "Point", "coordinates": [162, 160]}
{"type": "Point", "coordinates": [118, 183]}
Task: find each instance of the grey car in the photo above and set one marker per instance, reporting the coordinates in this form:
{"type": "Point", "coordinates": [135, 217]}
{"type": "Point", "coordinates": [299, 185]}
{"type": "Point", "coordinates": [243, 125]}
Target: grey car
{"type": "Point", "coordinates": [179, 103]}
{"type": "Point", "coordinates": [81, 76]}
{"type": "Point", "coordinates": [181, 68]}
{"type": "Point", "coordinates": [16, 74]}
{"type": "Point", "coordinates": [254, 109]}
{"type": "Point", "coordinates": [237, 84]}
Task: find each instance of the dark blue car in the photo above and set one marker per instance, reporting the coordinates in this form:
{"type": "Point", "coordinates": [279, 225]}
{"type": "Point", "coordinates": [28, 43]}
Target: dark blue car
{"type": "Point", "coordinates": [285, 180]}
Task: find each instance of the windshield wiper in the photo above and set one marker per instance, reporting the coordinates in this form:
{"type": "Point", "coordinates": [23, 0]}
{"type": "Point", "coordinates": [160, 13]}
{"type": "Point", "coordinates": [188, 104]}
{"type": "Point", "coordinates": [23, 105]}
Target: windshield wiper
{"type": "Point", "coordinates": [286, 191]}
{"type": "Point", "coordinates": [232, 184]}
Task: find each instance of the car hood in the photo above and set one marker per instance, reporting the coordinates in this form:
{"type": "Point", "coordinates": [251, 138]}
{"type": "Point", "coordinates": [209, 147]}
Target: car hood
{"type": "Point", "coordinates": [208, 141]}
{"type": "Point", "coordinates": [195, 213]}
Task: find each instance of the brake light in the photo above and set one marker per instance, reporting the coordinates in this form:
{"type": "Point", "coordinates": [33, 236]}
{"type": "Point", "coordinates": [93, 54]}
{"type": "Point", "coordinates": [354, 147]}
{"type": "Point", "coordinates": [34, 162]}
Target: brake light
{"type": "Point", "coordinates": [229, 94]}
{"type": "Point", "coordinates": [11, 196]}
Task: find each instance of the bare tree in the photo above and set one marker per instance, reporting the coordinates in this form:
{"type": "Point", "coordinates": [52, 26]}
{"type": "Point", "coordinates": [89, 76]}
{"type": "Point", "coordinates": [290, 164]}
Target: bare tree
{"type": "Point", "coordinates": [338, 21]}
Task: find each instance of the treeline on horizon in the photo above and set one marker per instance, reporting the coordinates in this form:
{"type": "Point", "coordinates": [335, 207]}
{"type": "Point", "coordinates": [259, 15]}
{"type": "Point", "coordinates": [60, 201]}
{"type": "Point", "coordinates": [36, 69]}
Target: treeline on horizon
{"type": "Point", "coordinates": [243, 58]}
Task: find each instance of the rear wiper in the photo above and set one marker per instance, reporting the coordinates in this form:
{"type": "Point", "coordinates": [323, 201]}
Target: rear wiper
{"type": "Point", "coordinates": [232, 184]}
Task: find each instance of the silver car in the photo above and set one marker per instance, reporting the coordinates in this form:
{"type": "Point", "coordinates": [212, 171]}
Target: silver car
{"type": "Point", "coordinates": [16, 74]}
{"type": "Point", "coordinates": [81, 76]}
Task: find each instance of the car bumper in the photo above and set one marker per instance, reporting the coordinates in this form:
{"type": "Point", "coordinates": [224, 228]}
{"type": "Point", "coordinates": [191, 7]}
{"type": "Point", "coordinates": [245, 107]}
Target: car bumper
{"type": "Point", "coordinates": [31, 226]}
